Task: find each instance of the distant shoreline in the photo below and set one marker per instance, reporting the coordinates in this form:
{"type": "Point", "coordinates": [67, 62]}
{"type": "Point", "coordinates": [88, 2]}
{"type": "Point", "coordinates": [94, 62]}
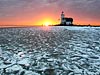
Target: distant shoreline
{"type": "Point", "coordinates": [24, 26]}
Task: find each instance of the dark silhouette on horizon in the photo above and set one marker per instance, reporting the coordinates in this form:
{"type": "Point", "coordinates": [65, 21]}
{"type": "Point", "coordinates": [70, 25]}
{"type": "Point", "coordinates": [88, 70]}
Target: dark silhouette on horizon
{"type": "Point", "coordinates": [65, 20]}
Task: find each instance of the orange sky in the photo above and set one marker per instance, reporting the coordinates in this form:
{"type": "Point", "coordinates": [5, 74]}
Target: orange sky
{"type": "Point", "coordinates": [45, 17]}
{"type": "Point", "coordinates": [42, 18]}
{"type": "Point", "coordinates": [37, 12]}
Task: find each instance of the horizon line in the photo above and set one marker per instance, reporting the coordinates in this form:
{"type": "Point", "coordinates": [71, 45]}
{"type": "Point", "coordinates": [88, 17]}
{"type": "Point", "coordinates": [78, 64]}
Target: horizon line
{"type": "Point", "coordinates": [44, 25]}
{"type": "Point", "coordinates": [79, 25]}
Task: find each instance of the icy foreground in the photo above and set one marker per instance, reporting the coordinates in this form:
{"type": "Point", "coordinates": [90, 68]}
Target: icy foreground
{"type": "Point", "coordinates": [50, 51]}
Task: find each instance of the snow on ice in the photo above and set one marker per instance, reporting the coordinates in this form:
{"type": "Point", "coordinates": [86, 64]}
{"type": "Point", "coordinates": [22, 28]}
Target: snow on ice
{"type": "Point", "coordinates": [50, 51]}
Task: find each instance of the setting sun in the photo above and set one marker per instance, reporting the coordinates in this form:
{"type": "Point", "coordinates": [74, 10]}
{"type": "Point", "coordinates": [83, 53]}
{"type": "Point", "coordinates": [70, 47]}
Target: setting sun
{"type": "Point", "coordinates": [47, 23]}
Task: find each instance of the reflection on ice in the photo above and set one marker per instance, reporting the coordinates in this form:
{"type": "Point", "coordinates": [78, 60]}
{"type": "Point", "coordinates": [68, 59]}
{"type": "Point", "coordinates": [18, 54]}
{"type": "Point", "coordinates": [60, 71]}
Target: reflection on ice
{"type": "Point", "coordinates": [50, 51]}
{"type": "Point", "coordinates": [46, 28]}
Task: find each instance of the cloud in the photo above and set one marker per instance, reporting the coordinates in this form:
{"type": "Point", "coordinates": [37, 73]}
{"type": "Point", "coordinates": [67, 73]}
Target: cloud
{"type": "Point", "coordinates": [88, 8]}
{"type": "Point", "coordinates": [80, 8]}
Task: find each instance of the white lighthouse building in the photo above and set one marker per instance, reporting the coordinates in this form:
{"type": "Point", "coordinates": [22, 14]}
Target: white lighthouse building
{"type": "Point", "coordinates": [65, 20]}
{"type": "Point", "coordinates": [62, 18]}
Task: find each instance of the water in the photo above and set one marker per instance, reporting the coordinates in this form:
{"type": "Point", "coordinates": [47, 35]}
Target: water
{"type": "Point", "coordinates": [50, 51]}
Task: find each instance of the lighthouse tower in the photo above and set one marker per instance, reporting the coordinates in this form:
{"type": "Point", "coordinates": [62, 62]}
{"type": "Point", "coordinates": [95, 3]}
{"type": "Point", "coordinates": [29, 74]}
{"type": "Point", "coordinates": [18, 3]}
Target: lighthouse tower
{"type": "Point", "coordinates": [62, 18]}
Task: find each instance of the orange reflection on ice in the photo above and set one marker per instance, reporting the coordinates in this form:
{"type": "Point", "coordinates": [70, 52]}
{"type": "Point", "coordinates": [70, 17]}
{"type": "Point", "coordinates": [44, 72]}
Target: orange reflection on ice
{"type": "Point", "coordinates": [46, 28]}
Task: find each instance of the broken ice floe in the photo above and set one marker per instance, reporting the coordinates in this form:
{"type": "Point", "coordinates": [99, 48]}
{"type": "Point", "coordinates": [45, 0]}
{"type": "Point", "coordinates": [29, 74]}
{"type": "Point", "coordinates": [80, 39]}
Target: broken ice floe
{"type": "Point", "coordinates": [59, 51]}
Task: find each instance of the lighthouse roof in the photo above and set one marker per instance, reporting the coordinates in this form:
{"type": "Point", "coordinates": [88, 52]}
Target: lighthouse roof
{"type": "Point", "coordinates": [62, 12]}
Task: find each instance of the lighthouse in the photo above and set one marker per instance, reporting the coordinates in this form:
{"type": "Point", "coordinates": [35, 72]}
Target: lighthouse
{"type": "Point", "coordinates": [66, 20]}
{"type": "Point", "coordinates": [62, 17]}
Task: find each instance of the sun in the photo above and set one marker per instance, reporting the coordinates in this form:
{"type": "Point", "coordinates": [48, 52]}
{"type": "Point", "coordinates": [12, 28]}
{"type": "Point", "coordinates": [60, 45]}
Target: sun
{"type": "Point", "coordinates": [47, 23]}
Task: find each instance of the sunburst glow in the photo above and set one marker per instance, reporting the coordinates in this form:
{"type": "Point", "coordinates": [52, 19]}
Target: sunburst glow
{"type": "Point", "coordinates": [47, 23]}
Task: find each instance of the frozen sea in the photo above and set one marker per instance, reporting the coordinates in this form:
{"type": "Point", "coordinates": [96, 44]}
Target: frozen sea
{"type": "Point", "coordinates": [54, 50]}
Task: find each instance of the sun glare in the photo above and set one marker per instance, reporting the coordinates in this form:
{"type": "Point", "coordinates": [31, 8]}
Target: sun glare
{"type": "Point", "coordinates": [47, 23]}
